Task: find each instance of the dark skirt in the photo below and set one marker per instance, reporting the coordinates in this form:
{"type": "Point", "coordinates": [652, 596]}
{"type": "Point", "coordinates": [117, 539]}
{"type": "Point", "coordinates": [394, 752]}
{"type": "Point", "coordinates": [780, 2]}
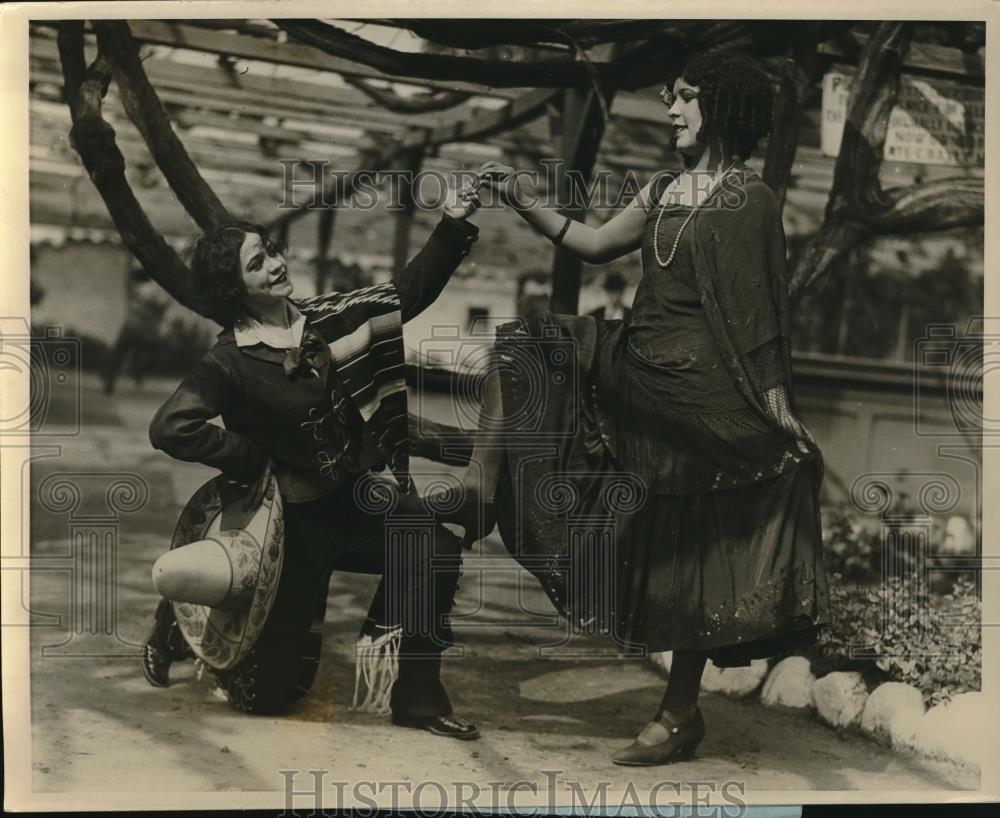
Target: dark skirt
{"type": "Point", "coordinates": [661, 523]}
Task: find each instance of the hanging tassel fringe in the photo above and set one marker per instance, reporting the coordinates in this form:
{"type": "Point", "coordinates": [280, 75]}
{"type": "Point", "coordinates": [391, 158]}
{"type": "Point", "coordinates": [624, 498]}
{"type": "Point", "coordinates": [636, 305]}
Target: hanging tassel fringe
{"type": "Point", "coordinates": [376, 666]}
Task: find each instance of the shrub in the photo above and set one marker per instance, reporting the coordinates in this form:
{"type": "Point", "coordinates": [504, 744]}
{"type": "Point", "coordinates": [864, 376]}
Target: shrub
{"type": "Point", "coordinates": [932, 641]}
{"type": "Point", "coordinates": [855, 550]}
{"type": "Point", "coordinates": [850, 549]}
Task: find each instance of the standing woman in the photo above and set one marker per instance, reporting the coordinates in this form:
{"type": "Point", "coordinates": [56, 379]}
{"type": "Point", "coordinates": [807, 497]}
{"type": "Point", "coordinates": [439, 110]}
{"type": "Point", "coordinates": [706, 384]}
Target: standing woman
{"type": "Point", "coordinates": [720, 555]}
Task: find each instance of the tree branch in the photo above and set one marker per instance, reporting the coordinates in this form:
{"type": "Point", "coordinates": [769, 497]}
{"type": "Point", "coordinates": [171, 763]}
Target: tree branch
{"type": "Point", "coordinates": [856, 195]}
{"type": "Point", "coordinates": [646, 64]}
{"type": "Point", "coordinates": [795, 83]}
{"type": "Point", "coordinates": [94, 140]}
{"type": "Point", "coordinates": [401, 105]}
{"type": "Point", "coordinates": [874, 91]}
{"type": "Point", "coordinates": [944, 204]}
{"type": "Point", "coordinates": [561, 73]}
{"type": "Point", "coordinates": [147, 114]}
{"type": "Point", "coordinates": [478, 34]}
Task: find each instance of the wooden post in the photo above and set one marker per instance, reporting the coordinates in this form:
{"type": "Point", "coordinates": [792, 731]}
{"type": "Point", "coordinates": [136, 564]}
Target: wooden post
{"type": "Point", "coordinates": [413, 160]}
{"type": "Point", "coordinates": [281, 234]}
{"type": "Point", "coordinates": [582, 130]}
{"type": "Point", "coordinates": [797, 76]}
{"type": "Point", "coordinates": [326, 219]}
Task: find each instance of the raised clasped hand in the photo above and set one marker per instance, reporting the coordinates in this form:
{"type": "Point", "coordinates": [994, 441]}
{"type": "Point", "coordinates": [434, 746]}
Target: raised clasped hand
{"type": "Point", "coordinates": [504, 180]}
{"type": "Point", "coordinates": [462, 202]}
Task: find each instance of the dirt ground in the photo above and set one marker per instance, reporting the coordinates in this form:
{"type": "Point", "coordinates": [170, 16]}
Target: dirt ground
{"type": "Point", "coordinates": [98, 727]}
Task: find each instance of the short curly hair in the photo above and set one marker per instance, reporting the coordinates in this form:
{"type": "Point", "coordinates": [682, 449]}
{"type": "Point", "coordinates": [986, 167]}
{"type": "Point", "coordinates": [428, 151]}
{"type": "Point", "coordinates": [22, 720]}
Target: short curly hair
{"type": "Point", "coordinates": [218, 276]}
{"type": "Point", "coordinates": [735, 96]}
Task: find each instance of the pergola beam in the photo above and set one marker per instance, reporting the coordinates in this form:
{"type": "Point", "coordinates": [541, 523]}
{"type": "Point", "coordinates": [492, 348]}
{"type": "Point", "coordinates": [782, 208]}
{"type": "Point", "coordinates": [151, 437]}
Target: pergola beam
{"type": "Point", "coordinates": [487, 124]}
{"type": "Point", "coordinates": [850, 45]}
{"type": "Point", "coordinates": [513, 114]}
{"type": "Point", "coordinates": [583, 126]}
{"type": "Point", "coordinates": [278, 96]}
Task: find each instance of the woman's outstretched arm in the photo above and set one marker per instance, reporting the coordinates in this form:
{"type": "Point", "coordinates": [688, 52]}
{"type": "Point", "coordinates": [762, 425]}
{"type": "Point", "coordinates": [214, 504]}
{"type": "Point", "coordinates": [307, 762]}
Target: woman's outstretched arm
{"type": "Point", "coordinates": [424, 277]}
{"type": "Point", "coordinates": [595, 245]}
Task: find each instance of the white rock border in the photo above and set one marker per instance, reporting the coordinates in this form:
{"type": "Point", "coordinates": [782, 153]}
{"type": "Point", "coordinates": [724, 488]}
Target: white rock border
{"type": "Point", "coordinates": [892, 714]}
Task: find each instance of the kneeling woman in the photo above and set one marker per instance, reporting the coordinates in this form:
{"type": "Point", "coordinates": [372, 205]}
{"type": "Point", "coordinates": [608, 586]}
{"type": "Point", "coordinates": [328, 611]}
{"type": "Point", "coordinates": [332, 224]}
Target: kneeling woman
{"type": "Point", "coordinates": [313, 390]}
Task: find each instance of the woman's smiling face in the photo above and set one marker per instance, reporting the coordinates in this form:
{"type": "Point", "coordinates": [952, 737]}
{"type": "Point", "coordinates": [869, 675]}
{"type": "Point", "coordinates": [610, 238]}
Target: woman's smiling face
{"type": "Point", "coordinates": [265, 271]}
{"type": "Point", "coordinates": [685, 114]}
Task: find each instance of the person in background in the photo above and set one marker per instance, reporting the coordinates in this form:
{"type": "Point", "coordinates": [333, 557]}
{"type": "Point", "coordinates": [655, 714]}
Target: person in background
{"type": "Point", "coordinates": [614, 300]}
{"type": "Point", "coordinates": [140, 334]}
{"type": "Point", "coordinates": [534, 293]}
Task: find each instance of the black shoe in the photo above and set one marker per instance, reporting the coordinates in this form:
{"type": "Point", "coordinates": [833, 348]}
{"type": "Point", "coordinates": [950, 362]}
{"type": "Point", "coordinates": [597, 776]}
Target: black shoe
{"type": "Point", "coordinates": [164, 646]}
{"type": "Point", "coordinates": [450, 726]}
{"type": "Point", "coordinates": [662, 742]}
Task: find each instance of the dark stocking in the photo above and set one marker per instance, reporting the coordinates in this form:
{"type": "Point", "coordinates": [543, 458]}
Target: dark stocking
{"type": "Point", "coordinates": [681, 698]}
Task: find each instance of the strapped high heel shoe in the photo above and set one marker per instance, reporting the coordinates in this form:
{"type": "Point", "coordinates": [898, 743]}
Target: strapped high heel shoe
{"type": "Point", "coordinates": [662, 742]}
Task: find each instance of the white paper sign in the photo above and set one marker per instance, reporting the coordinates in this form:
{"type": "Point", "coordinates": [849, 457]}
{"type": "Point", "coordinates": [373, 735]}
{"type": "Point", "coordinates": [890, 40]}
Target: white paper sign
{"type": "Point", "coordinates": [935, 122]}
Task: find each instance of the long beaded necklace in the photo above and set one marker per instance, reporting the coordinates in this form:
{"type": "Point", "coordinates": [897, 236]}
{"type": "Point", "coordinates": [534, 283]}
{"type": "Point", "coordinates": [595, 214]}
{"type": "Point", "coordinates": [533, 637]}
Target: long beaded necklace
{"type": "Point", "coordinates": [677, 238]}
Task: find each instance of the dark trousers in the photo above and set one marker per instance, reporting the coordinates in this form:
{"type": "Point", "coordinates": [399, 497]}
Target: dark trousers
{"type": "Point", "coordinates": [419, 562]}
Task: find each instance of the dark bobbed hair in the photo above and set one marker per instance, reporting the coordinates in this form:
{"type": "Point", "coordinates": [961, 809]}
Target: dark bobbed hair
{"type": "Point", "coordinates": [735, 96]}
{"type": "Point", "coordinates": [218, 277]}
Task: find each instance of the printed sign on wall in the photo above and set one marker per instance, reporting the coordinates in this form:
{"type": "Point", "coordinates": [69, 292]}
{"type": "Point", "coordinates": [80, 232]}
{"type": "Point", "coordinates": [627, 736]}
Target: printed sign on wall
{"type": "Point", "coordinates": [934, 122]}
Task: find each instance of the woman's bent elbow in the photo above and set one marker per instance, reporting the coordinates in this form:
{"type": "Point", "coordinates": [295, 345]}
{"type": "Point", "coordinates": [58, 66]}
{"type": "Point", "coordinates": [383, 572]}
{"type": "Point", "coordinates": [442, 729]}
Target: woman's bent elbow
{"type": "Point", "coordinates": [163, 435]}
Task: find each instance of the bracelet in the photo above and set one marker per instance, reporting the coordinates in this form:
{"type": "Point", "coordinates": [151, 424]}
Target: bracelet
{"type": "Point", "coordinates": [558, 239]}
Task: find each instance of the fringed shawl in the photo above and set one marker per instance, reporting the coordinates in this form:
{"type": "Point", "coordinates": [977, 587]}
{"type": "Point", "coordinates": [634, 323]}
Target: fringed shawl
{"type": "Point", "coordinates": [363, 330]}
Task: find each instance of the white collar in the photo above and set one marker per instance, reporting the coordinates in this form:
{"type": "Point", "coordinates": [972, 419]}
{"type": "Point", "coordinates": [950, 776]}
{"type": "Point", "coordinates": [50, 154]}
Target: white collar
{"type": "Point", "coordinates": [250, 331]}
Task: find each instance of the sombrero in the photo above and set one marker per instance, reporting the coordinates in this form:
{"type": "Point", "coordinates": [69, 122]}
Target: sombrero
{"type": "Point", "coordinates": [222, 570]}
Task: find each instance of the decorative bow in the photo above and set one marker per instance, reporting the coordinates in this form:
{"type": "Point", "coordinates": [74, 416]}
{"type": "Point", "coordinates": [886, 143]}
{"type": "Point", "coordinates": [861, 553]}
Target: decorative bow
{"type": "Point", "coordinates": [306, 360]}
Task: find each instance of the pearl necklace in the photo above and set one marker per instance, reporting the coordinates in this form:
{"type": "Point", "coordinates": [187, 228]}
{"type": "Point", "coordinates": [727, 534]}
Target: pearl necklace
{"type": "Point", "coordinates": [677, 238]}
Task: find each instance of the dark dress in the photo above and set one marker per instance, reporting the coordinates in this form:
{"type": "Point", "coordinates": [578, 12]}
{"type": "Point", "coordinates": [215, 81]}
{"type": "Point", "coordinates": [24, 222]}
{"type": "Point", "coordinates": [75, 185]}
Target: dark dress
{"type": "Point", "coordinates": [644, 490]}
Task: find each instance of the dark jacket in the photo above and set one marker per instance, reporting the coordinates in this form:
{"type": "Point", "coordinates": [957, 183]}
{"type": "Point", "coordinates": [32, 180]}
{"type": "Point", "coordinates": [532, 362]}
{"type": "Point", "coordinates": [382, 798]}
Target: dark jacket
{"type": "Point", "coordinates": [292, 422]}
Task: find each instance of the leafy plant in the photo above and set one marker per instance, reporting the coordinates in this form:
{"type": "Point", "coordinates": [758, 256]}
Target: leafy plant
{"type": "Point", "coordinates": [850, 549]}
{"type": "Point", "coordinates": [899, 631]}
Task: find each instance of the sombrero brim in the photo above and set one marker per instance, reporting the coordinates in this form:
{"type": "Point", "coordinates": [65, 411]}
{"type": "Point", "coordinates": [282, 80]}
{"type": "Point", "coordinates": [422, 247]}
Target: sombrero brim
{"type": "Point", "coordinates": [222, 637]}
